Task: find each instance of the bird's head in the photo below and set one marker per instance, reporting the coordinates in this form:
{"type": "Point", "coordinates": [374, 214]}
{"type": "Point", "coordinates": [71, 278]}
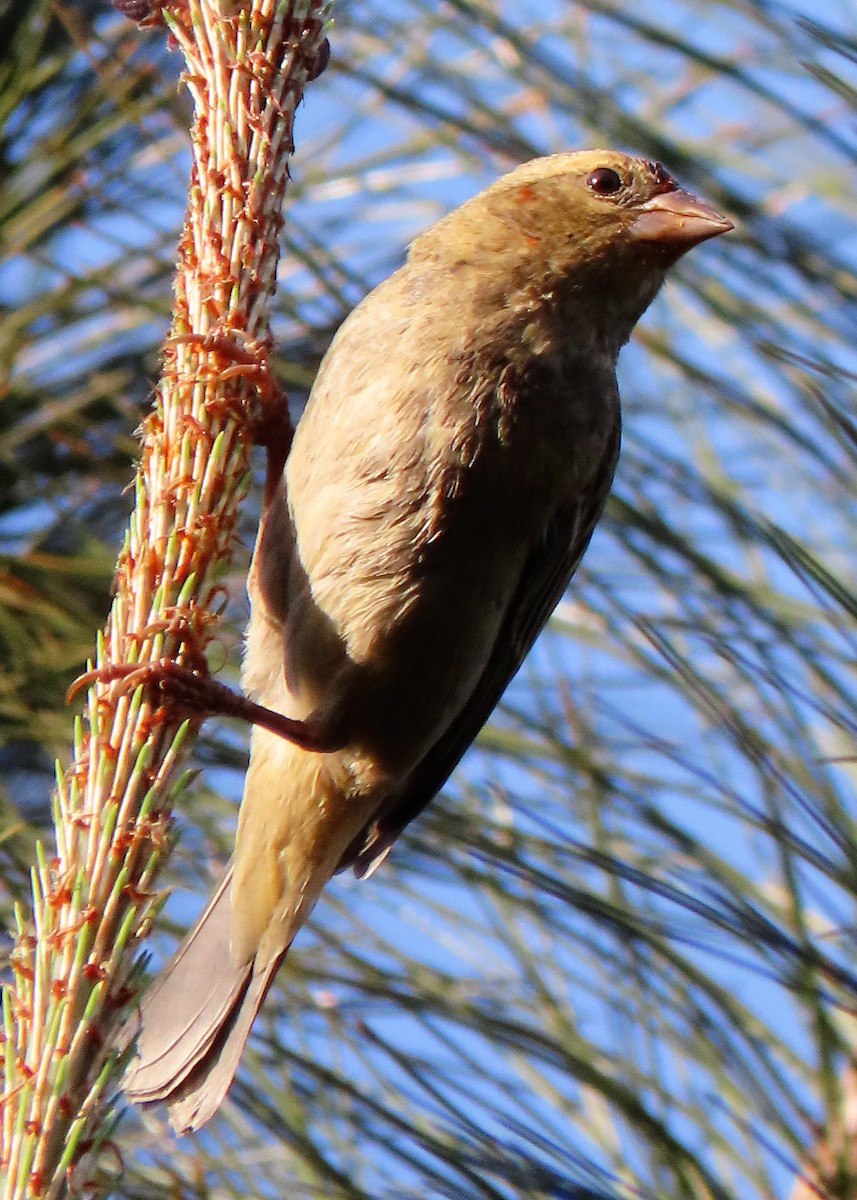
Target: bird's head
{"type": "Point", "coordinates": [593, 230]}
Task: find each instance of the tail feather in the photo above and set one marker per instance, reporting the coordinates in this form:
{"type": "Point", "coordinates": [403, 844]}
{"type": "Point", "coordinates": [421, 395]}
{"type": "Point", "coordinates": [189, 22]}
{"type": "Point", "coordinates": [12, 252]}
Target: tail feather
{"type": "Point", "coordinates": [197, 1098]}
{"type": "Point", "coordinates": [197, 1016]}
{"type": "Point", "coordinates": [195, 1020]}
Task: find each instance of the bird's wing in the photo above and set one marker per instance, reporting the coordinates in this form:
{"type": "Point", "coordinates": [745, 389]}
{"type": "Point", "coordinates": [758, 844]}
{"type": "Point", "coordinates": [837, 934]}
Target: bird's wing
{"type": "Point", "coordinates": [546, 573]}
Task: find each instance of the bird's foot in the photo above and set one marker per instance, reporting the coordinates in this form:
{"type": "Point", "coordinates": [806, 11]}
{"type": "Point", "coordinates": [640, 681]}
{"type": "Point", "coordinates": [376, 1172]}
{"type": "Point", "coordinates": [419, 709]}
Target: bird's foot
{"type": "Point", "coordinates": [265, 416]}
{"type": "Point", "coordinates": [187, 693]}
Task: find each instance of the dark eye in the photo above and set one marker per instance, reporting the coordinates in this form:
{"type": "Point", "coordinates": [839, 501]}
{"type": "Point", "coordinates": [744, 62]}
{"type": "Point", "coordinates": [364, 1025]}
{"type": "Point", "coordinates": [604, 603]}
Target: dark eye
{"type": "Point", "coordinates": [604, 181]}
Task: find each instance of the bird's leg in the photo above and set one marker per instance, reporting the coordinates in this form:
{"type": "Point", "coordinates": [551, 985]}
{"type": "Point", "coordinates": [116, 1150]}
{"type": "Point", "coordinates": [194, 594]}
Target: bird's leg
{"type": "Point", "coordinates": [191, 694]}
{"type": "Point", "coordinates": [274, 431]}
{"type": "Point", "coordinates": [188, 692]}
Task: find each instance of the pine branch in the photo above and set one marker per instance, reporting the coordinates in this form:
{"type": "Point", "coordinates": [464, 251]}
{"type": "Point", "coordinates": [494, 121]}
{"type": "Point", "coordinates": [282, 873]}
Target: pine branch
{"type": "Point", "coordinates": [73, 971]}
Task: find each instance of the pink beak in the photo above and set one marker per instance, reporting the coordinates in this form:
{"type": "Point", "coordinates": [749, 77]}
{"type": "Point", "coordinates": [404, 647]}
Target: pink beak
{"type": "Point", "coordinates": [677, 220]}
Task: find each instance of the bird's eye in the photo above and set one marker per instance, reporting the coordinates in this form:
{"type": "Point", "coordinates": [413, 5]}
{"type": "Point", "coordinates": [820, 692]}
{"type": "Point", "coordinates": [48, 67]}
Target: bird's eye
{"type": "Point", "coordinates": [604, 181]}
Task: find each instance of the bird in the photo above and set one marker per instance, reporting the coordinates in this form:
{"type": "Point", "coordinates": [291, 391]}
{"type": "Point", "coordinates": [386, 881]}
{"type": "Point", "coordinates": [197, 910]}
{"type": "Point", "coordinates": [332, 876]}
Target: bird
{"type": "Point", "coordinates": [444, 480]}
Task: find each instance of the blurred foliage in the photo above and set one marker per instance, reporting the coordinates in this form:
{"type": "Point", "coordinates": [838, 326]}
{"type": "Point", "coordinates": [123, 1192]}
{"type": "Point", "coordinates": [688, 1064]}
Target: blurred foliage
{"type": "Point", "coordinates": [616, 958]}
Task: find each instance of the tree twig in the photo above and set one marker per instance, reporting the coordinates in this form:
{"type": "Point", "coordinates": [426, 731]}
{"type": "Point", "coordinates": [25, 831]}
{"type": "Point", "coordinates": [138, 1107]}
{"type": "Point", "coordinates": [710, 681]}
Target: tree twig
{"type": "Point", "coordinates": [72, 961]}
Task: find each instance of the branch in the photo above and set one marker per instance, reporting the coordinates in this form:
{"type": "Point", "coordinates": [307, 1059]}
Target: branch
{"type": "Point", "coordinates": [73, 960]}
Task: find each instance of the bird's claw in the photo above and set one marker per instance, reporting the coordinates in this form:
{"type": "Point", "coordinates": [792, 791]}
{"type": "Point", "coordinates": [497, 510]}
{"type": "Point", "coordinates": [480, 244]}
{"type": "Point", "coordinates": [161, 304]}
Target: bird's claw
{"type": "Point", "coordinates": [189, 693]}
{"type": "Point", "coordinates": [264, 414]}
{"type": "Point", "coordinates": [192, 694]}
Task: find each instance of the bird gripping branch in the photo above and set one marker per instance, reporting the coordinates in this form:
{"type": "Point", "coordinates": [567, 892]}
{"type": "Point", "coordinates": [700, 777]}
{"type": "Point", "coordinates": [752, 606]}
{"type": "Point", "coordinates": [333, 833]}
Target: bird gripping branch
{"type": "Point", "coordinates": [444, 481]}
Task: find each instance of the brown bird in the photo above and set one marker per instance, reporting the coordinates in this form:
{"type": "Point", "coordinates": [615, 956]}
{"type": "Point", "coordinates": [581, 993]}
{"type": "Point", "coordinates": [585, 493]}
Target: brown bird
{"type": "Point", "coordinates": [444, 481]}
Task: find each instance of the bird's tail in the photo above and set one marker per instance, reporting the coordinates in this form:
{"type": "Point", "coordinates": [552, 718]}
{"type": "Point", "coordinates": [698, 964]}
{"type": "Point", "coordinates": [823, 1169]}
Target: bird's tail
{"type": "Point", "coordinates": [195, 1020]}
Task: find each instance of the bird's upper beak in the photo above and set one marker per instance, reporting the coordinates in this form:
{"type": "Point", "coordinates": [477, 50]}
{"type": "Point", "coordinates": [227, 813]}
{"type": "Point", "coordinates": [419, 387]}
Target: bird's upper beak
{"type": "Point", "coordinates": [677, 220]}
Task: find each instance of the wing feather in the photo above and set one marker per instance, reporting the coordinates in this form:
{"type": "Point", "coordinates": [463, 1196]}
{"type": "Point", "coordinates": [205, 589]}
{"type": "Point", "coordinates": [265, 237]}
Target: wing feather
{"type": "Point", "coordinates": [546, 573]}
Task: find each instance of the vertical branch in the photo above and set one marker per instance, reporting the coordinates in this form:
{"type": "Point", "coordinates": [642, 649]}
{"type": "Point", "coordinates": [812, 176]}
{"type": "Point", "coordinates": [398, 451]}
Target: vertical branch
{"type": "Point", "coordinates": [73, 977]}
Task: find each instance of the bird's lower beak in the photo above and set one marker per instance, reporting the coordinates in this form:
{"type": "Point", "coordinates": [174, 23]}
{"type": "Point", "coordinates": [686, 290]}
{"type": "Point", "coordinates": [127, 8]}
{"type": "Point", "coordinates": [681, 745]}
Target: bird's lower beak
{"type": "Point", "coordinates": [678, 220]}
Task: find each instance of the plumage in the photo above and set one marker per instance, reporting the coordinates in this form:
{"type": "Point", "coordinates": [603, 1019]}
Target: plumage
{"type": "Point", "coordinates": [444, 481]}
